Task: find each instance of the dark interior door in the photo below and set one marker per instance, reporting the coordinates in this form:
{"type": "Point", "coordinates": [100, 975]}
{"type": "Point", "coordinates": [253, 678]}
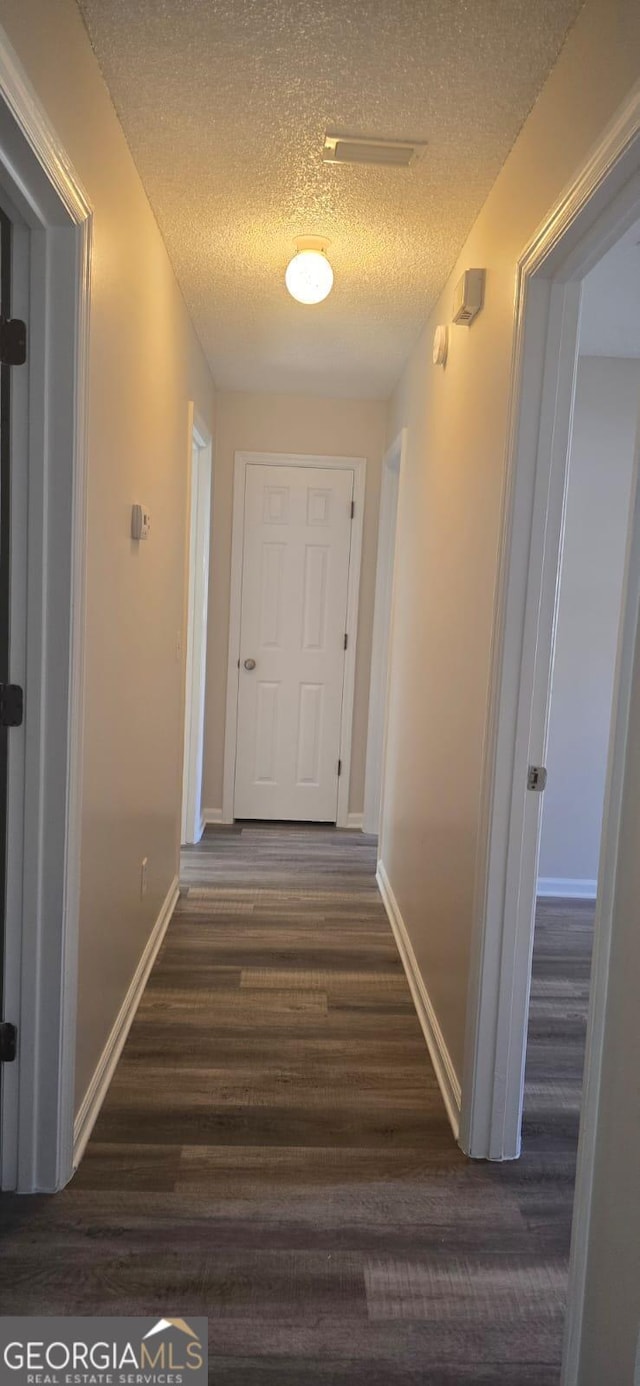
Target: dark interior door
{"type": "Point", "coordinates": [5, 482]}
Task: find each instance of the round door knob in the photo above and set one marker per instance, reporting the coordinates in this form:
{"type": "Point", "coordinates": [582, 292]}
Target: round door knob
{"type": "Point", "coordinates": [249, 663]}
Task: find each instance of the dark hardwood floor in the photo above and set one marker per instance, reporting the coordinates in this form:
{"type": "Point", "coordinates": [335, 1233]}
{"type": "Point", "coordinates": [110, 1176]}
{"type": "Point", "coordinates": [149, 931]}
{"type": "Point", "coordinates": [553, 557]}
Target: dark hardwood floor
{"type": "Point", "coordinates": [557, 1022]}
{"type": "Point", "coordinates": [274, 1152]}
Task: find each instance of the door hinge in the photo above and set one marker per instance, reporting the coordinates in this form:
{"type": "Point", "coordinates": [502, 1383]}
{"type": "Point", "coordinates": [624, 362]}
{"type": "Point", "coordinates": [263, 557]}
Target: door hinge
{"type": "Point", "coordinates": [536, 778]}
{"type": "Point", "coordinates": [11, 705]}
{"type": "Point", "coordinates": [339, 767]}
{"type": "Point", "coordinates": [8, 1042]}
{"type": "Point", "coordinates": [353, 509]}
{"type": "Point", "coordinates": [346, 640]}
{"type": "Point", "coordinates": [13, 342]}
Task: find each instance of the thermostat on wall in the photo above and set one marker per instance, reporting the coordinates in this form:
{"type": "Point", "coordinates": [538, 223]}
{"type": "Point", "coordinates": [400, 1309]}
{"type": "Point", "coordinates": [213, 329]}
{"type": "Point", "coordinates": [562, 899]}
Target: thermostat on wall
{"type": "Point", "coordinates": [468, 297]}
{"type": "Point", "coordinates": [140, 522]}
{"type": "Point", "coordinates": [440, 345]}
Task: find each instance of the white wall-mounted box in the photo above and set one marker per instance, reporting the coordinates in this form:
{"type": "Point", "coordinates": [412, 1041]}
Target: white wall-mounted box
{"type": "Point", "coordinates": [468, 297]}
{"type": "Point", "coordinates": [140, 522]}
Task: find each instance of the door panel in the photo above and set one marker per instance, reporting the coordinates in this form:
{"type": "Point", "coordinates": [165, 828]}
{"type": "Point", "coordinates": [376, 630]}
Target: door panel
{"type": "Point", "coordinates": [295, 574]}
{"type": "Point", "coordinates": [309, 733]}
{"type": "Point", "coordinates": [266, 733]}
{"type": "Point", "coordinates": [271, 633]}
{"type": "Point", "coordinates": [314, 597]}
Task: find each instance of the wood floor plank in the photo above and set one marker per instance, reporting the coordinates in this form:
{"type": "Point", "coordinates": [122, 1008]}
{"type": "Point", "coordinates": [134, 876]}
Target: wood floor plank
{"type": "Point", "coordinates": [274, 1152]}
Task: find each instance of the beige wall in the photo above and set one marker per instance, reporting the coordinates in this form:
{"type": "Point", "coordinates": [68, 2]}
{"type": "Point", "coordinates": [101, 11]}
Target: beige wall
{"type": "Point", "coordinates": [145, 366]}
{"type": "Point", "coordinates": [449, 515]}
{"type": "Point", "coordinates": [293, 424]}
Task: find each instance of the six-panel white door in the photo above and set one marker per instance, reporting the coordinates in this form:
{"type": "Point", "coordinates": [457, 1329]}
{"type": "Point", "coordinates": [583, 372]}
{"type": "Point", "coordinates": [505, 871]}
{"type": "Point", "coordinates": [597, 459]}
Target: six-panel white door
{"type": "Point", "coordinates": [295, 575]}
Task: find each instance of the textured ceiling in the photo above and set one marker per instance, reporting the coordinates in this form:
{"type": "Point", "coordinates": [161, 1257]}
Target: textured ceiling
{"type": "Point", "coordinates": [225, 104]}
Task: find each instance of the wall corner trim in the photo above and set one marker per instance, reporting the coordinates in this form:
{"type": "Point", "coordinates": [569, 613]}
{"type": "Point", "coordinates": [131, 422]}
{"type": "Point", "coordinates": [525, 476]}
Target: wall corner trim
{"type": "Point", "coordinates": [440, 1057]}
{"type": "Point", "coordinates": [211, 815]}
{"type": "Point", "coordinates": [566, 888]}
{"type": "Point", "coordinates": [106, 1066]}
{"type": "Point", "coordinates": [355, 820]}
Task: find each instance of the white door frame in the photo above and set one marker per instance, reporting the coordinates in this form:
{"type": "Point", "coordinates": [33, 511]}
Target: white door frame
{"type": "Point", "coordinates": [392, 466]}
{"type": "Point", "coordinates": [200, 490]}
{"type": "Point", "coordinates": [48, 548]}
{"type": "Point", "coordinates": [358, 466]}
{"type": "Point", "coordinates": [587, 220]}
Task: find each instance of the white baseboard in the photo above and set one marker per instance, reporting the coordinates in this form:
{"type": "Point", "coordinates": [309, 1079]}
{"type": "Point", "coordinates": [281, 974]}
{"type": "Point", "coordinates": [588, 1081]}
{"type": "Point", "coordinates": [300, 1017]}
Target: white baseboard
{"type": "Point", "coordinates": [354, 820]}
{"type": "Point", "coordinates": [440, 1056]}
{"type": "Point", "coordinates": [97, 1089]}
{"type": "Point", "coordinates": [567, 888]}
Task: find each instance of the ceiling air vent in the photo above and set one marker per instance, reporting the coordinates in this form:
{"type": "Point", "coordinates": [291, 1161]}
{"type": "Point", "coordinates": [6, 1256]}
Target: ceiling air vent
{"type": "Point", "coordinates": [347, 149]}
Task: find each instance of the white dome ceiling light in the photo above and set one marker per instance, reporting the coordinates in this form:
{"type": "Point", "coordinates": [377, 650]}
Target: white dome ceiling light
{"type": "Point", "coordinates": [309, 276]}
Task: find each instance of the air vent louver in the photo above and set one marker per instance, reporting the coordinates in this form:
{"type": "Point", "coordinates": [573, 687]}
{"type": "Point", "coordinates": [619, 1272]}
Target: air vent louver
{"type": "Point", "coordinates": [347, 149]}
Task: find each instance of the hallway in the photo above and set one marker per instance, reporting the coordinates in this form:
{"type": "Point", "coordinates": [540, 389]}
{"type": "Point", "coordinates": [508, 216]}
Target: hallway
{"type": "Point", "coordinates": [274, 1153]}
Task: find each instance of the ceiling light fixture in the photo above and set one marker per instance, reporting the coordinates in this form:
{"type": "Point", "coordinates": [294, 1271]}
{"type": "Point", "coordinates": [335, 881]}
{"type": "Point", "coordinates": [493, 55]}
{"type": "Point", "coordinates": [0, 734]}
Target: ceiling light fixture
{"type": "Point", "coordinates": [309, 276]}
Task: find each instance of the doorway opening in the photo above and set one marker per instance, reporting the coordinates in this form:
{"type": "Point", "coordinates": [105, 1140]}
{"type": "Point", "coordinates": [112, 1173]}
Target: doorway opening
{"type": "Point", "coordinates": [295, 581]}
{"type": "Point", "coordinates": [44, 536]}
{"type": "Point", "coordinates": [382, 633]}
{"type": "Point", "coordinates": [8, 733]}
{"type": "Point", "coordinates": [196, 651]}
{"type": "Point", "coordinates": [597, 508]}
{"type": "Point", "coordinates": [593, 216]}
